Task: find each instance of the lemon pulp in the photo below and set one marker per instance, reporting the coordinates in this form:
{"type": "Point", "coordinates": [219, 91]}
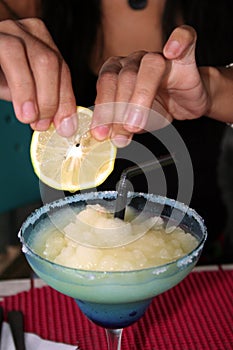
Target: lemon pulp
{"type": "Point", "coordinates": [75, 163]}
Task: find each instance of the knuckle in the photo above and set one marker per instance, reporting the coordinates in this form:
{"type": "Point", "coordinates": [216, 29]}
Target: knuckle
{"type": "Point", "coordinates": [65, 68]}
{"type": "Point", "coordinates": [137, 55]}
{"type": "Point", "coordinates": [106, 77]}
{"type": "Point", "coordinates": [33, 23]}
{"type": "Point", "coordinates": [113, 60]}
{"type": "Point", "coordinates": [23, 84]}
{"type": "Point", "coordinates": [47, 59]}
{"type": "Point", "coordinates": [153, 59]}
{"type": "Point", "coordinates": [8, 24]}
{"type": "Point", "coordinates": [187, 30]}
{"type": "Point", "coordinates": [10, 44]}
{"type": "Point", "coordinates": [143, 93]}
{"type": "Point", "coordinates": [128, 75]}
{"type": "Point", "coordinates": [66, 106]}
{"type": "Point", "coordinates": [25, 25]}
{"type": "Point", "coordinates": [47, 109]}
{"type": "Point", "coordinates": [67, 103]}
{"type": "Point", "coordinates": [111, 65]}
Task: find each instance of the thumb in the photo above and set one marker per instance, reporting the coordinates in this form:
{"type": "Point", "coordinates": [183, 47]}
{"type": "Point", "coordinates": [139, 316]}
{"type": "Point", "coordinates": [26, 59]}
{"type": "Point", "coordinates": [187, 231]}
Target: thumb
{"type": "Point", "coordinates": [181, 45]}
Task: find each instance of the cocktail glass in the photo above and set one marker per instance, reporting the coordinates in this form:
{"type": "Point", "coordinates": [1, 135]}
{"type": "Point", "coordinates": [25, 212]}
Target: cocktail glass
{"type": "Point", "coordinates": [116, 299]}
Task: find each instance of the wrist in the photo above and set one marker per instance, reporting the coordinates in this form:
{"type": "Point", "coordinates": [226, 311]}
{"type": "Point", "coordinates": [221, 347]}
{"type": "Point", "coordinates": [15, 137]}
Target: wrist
{"type": "Point", "coordinates": [218, 83]}
{"type": "Point", "coordinates": [210, 76]}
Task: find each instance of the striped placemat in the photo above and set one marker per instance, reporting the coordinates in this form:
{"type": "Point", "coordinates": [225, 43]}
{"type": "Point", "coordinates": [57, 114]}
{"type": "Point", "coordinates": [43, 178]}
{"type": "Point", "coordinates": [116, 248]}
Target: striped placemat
{"type": "Point", "coordinates": [196, 314]}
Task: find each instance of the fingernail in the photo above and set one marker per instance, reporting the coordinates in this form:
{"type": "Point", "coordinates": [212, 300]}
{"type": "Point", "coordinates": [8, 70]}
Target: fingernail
{"type": "Point", "coordinates": [68, 126]}
{"type": "Point", "coordinates": [29, 112]}
{"type": "Point", "coordinates": [100, 132]}
{"type": "Point", "coordinates": [173, 47]}
{"type": "Point", "coordinates": [134, 120]}
{"type": "Point", "coordinates": [121, 141]}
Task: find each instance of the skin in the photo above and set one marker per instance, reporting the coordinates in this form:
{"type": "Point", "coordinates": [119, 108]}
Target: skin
{"type": "Point", "coordinates": [22, 9]}
{"type": "Point", "coordinates": [34, 75]}
{"type": "Point", "coordinates": [134, 68]}
{"type": "Point", "coordinates": [145, 78]}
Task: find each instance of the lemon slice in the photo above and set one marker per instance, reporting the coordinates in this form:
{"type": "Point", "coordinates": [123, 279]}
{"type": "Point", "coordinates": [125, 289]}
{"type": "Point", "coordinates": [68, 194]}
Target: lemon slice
{"type": "Point", "coordinates": [75, 163]}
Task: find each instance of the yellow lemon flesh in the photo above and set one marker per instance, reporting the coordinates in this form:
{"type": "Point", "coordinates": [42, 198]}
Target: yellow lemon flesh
{"type": "Point", "coordinates": [75, 163]}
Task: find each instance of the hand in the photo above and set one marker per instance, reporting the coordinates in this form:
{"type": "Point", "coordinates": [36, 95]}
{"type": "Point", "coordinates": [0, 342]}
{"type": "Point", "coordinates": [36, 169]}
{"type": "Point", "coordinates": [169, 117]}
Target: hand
{"type": "Point", "coordinates": [169, 82]}
{"type": "Point", "coordinates": [34, 76]}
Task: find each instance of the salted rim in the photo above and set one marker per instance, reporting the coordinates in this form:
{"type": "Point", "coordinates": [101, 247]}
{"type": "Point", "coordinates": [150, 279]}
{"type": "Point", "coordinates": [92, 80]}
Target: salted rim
{"type": "Point", "coordinates": [156, 270]}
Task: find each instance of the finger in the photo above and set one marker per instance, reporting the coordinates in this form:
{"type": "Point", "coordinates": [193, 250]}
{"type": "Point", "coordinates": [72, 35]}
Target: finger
{"type": "Point", "coordinates": [181, 45]}
{"type": "Point", "coordinates": [119, 136]}
{"type": "Point", "coordinates": [184, 81]}
{"type": "Point", "coordinates": [150, 74]}
{"type": "Point", "coordinates": [127, 76]}
{"type": "Point", "coordinates": [106, 91]}
{"type": "Point", "coordinates": [14, 65]}
{"type": "Point", "coordinates": [33, 74]}
{"type": "Point", "coordinates": [180, 51]}
{"type": "Point", "coordinates": [31, 69]}
{"type": "Point", "coordinates": [126, 82]}
{"type": "Point", "coordinates": [66, 119]}
{"type": "Point", "coordinates": [45, 65]}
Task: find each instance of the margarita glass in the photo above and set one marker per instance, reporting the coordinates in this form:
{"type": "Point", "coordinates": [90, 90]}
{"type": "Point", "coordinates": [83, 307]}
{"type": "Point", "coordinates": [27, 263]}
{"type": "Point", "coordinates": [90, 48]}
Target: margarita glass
{"type": "Point", "coordinates": [114, 299]}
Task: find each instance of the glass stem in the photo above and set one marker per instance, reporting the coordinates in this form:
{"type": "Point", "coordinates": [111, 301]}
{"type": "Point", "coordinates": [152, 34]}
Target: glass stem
{"type": "Point", "coordinates": [114, 338]}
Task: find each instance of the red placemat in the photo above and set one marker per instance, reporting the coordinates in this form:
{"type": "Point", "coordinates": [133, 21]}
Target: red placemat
{"type": "Point", "coordinates": [196, 314]}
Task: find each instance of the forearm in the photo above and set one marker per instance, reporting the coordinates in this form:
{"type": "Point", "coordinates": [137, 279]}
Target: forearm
{"type": "Point", "coordinates": [219, 85]}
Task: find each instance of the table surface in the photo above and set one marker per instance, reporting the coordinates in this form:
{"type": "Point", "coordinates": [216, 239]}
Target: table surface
{"type": "Point", "coordinates": [194, 315]}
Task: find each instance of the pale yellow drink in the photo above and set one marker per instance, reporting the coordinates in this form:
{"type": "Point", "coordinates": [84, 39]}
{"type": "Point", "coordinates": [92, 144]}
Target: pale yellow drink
{"type": "Point", "coordinates": [156, 246]}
